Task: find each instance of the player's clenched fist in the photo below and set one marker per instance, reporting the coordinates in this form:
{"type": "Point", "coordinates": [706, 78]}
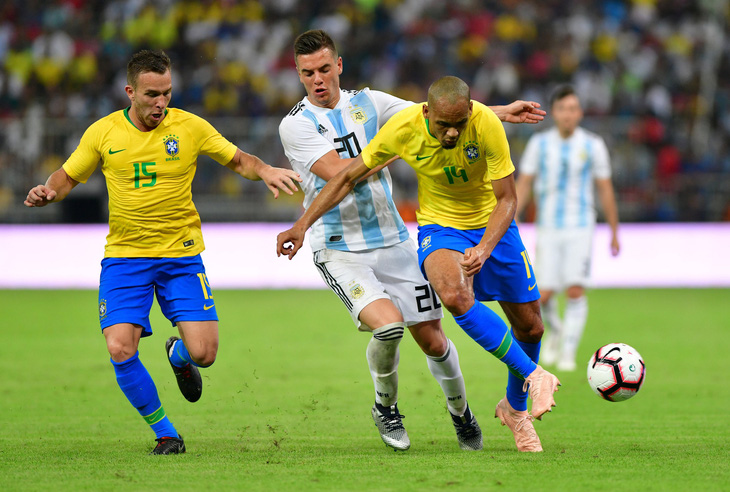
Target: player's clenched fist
{"type": "Point", "coordinates": [39, 196]}
{"type": "Point", "coordinates": [294, 237]}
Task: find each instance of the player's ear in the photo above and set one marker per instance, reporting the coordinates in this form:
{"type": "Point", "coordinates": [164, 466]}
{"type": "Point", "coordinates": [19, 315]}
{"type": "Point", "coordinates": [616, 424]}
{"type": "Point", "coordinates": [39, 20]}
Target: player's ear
{"type": "Point", "coordinates": [425, 111]}
{"type": "Point", "coordinates": [130, 91]}
{"type": "Point", "coordinates": [339, 65]}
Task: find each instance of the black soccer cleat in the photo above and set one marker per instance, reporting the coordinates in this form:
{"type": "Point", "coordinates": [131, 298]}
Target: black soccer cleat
{"type": "Point", "coordinates": [467, 431]}
{"type": "Point", "coordinates": [169, 445]}
{"type": "Point", "coordinates": [188, 376]}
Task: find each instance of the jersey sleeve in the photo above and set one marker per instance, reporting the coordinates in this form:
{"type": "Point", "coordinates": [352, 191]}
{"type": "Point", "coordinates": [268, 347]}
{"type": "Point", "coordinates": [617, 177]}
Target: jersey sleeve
{"type": "Point", "coordinates": [602, 161]}
{"type": "Point", "coordinates": [528, 161]}
{"type": "Point", "coordinates": [387, 105]}
{"type": "Point", "coordinates": [303, 144]}
{"type": "Point", "coordinates": [495, 142]}
{"type": "Point", "coordinates": [213, 144]}
{"type": "Point", "coordinates": [83, 161]}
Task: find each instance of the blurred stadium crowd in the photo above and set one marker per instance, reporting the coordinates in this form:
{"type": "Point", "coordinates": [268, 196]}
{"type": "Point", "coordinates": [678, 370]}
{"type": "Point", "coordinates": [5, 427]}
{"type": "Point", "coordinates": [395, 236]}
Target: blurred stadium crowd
{"type": "Point", "coordinates": [654, 76]}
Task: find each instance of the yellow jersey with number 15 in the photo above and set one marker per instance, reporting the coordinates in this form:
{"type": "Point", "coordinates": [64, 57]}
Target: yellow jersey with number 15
{"type": "Point", "coordinates": [454, 185]}
{"type": "Point", "coordinates": [149, 177]}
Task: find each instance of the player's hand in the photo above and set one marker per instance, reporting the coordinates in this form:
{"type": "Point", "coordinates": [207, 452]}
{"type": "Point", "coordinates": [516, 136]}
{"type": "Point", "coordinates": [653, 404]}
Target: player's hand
{"type": "Point", "coordinates": [472, 262]}
{"type": "Point", "coordinates": [523, 112]}
{"type": "Point", "coordinates": [39, 196]}
{"type": "Point", "coordinates": [293, 237]}
{"type": "Point", "coordinates": [277, 178]}
{"type": "Point", "coordinates": [615, 247]}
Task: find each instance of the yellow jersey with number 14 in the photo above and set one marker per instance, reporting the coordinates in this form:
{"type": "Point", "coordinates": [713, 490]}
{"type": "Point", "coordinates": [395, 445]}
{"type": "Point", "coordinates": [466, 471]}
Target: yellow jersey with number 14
{"type": "Point", "coordinates": [149, 177]}
{"type": "Point", "coordinates": [454, 185]}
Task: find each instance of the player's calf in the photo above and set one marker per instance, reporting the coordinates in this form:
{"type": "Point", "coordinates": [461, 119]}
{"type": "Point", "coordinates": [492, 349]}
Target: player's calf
{"type": "Point", "coordinates": [188, 376]}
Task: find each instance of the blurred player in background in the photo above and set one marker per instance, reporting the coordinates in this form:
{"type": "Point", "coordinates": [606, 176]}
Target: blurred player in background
{"type": "Point", "coordinates": [362, 249]}
{"type": "Point", "coordinates": [148, 155]}
{"type": "Point", "coordinates": [561, 166]}
{"type": "Point", "coordinates": [469, 243]}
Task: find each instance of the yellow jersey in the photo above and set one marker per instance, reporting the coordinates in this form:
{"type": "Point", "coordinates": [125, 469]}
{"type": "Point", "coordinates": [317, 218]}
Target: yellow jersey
{"type": "Point", "coordinates": [454, 185]}
{"type": "Point", "coordinates": [149, 177]}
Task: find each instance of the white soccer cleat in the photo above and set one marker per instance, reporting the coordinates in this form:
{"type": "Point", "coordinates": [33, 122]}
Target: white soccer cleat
{"type": "Point", "coordinates": [389, 422]}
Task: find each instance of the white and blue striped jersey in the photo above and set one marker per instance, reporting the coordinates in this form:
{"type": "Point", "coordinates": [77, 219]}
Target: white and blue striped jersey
{"type": "Point", "coordinates": [367, 218]}
{"type": "Point", "coordinates": [564, 171]}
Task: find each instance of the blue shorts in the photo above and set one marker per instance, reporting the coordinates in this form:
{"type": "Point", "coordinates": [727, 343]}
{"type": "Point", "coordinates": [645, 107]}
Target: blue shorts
{"type": "Point", "coordinates": [507, 274]}
{"type": "Point", "coordinates": [127, 286]}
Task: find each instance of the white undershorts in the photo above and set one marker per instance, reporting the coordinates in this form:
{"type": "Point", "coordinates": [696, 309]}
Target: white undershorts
{"type": "Point", "coordinates": [563, 257]}
{"type": "Point", "coordinates": [361, 277]}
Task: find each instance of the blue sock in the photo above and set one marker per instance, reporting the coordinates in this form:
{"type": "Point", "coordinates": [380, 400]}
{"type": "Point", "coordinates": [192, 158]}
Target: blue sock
{"type": "Point", "coordinates": [137, 385]}
{"type": "Point", "coordinates": [486, 328]}
{"type": "Point", "coordinates": [180, 356]}
{"type": "Point", "coordinates": [516, 397]}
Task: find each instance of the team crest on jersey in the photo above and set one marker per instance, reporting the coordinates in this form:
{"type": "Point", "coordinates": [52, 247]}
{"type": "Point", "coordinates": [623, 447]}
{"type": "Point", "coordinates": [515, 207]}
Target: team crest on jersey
{"type": "Point", "coordinates": [172, 145]}
{"type": "Point", "coordinates": [102, 309]}
{"type": "Point", "coordinates": [321, 129]}
{"type": "Point", "coordinates": [471, 151]}
{"type": "Point", "coordinates": [358, 115]}
{"type": "Point", "coordinates": [357, 291]}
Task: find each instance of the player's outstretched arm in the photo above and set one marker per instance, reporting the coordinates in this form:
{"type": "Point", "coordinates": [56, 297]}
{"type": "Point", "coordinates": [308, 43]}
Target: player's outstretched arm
{"type": "Point", "coordinates": [276, 178]}
{"type": "Point", "coordinates": [57, 187]}
{"type": "Point", "coordinates": [520, 112]}
{"type": "Point", "coordinates": [333, 193]}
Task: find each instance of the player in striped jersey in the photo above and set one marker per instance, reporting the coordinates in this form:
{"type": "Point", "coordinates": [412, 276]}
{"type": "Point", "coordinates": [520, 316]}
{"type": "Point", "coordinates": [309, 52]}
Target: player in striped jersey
{"type": "Point", "coordinates": [361, 247]}
{"type": "Point", "coordinates": [561, 165]}
{"type": "Point", "coordinates": [148, 155]}
{"type": "Point", "coordinates": [469, 246]}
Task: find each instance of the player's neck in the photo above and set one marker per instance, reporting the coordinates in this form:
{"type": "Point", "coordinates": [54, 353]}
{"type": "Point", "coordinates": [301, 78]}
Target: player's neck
{"type": "Point", "coordinates": [566, 134]}
{"type": "Point", "coordinates": [139, 124]}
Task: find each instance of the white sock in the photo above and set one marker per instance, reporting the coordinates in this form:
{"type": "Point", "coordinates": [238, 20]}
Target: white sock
{"type": "Point", "coordinates": [550, 349]}
{"type": "Point", "coordinates": [576, 313]}
{"type": "Point", "coordinates": [447, 372]}
{"type": "Point", "coordinates": [382, 354]}
{"type": "Point", "coordinates": [552, 316]}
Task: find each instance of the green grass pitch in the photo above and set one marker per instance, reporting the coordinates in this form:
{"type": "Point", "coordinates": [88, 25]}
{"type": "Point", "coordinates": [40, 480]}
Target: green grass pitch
{"type": "Point", "coordinates": [287, 404]}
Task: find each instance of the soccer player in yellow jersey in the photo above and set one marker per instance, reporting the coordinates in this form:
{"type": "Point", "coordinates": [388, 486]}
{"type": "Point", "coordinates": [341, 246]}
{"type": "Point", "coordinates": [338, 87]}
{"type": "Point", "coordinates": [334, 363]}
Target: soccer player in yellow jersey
{"type": "Point", "coordinates": [469, 246]}
{"type": "Point", "coordinates": [148, 155]}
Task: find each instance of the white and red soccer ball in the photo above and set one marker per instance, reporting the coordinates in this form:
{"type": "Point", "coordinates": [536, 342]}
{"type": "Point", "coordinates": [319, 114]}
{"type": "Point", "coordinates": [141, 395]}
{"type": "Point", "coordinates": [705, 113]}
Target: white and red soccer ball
{"type": "Point", "coordinates": [616, 372]}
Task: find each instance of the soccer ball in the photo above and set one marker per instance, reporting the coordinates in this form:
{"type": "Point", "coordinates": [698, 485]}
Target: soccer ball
{"type": "Point", "coordinates": [616, 372]}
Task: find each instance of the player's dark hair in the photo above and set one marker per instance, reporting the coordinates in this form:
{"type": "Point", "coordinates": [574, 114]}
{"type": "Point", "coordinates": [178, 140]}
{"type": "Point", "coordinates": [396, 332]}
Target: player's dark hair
{"type": "Point", "coordinates": [144, 61]}
{"type": "Point", "coordinates": [312, 41]}
{"type": "Point", "coordinates": [560, 92]}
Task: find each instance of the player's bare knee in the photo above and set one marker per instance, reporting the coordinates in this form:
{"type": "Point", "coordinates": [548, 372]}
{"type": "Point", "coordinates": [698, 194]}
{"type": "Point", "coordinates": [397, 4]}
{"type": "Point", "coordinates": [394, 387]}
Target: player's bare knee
{"type": "Point", "coordinates": [207, 359]}
{"type": "Point", "coordinates": [574, 292]}
{"type": "Point", "coordinates": [120, 351]}
{"type": "Point", "coordinates": [433, 346]}
{"type": "Point", "coordinates": [456, 301]}
{"type": "Point", "coordinates": [204, 356]}
{"type": "Point", "coordinates": [530, 331]}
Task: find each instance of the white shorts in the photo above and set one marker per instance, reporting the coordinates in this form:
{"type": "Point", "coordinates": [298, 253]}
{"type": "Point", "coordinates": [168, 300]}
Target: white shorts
{"type": "Point", "coordinates": [563, 257]}
{"type": "Point", "coordinates": [361, 277]}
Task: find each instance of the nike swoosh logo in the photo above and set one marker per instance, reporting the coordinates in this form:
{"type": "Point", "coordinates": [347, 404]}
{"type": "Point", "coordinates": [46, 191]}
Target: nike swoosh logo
{"type": "Point", "coordinates": [112, 152]}
{"type": "Point", "coordinates": [533, 286]}
{"type": "Point", "coordinates": [208, 307]}
{"type": "Point", "coordinates": [419, 158]}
